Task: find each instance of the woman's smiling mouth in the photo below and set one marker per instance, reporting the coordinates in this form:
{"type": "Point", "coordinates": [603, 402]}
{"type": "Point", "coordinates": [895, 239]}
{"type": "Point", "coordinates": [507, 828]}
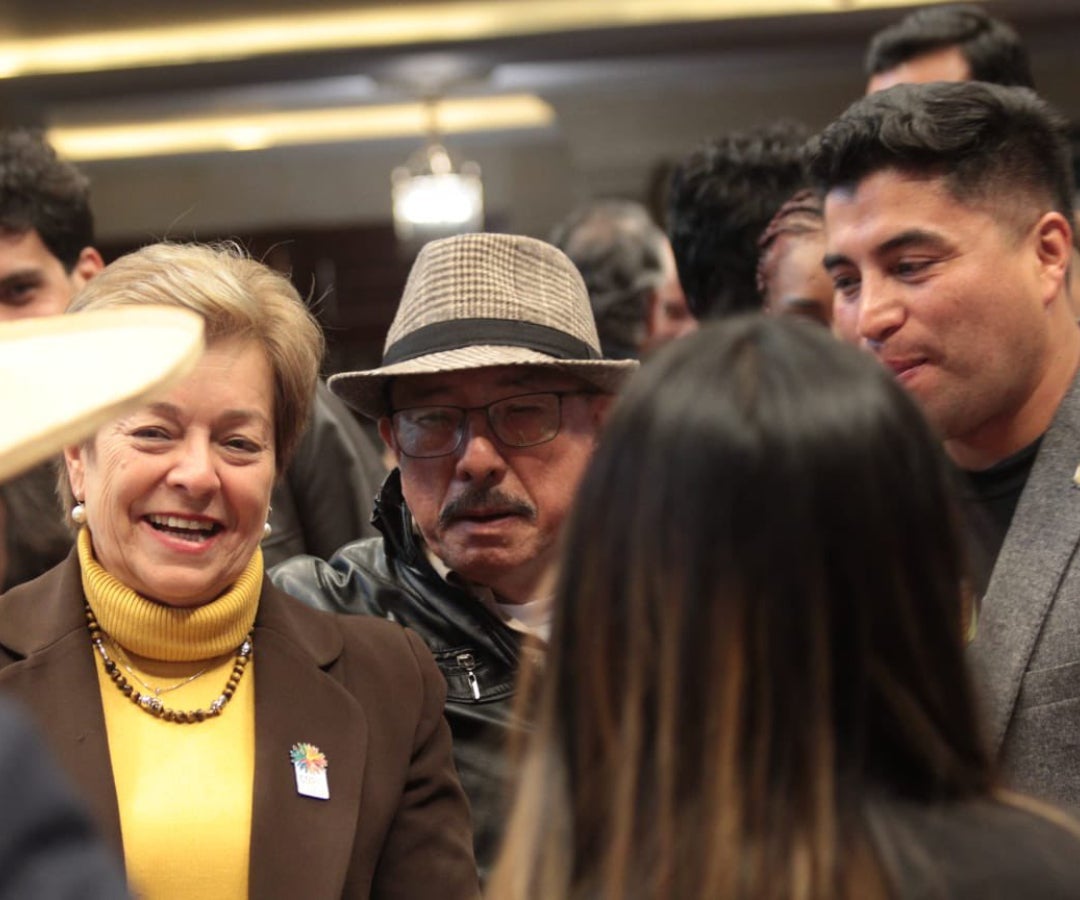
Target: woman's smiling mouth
{"type": "Point", "coordinates": [183, 527]}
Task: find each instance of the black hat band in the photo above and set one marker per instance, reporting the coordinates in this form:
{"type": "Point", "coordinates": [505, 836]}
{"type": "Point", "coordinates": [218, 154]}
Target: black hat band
{"type": "Point", "coordinates": [455, 334]}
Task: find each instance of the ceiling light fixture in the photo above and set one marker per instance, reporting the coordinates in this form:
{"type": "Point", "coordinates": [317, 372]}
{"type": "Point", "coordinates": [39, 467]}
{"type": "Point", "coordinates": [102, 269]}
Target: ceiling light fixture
{"type": "Point", "coordinates": [215, 134]}
{"type": "Point", "coordinates": [431, 196]}
{"type": "Point", "coordinates": [379, 26]}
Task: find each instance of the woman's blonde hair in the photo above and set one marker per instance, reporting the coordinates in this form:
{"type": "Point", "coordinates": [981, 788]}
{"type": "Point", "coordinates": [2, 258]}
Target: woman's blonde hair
{"type": "Point", "coordinates": [236, 297]}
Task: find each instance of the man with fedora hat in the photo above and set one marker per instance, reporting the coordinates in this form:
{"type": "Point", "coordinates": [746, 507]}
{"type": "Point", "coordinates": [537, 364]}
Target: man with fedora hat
{"type": "Point", "coordinates": [490, 397]}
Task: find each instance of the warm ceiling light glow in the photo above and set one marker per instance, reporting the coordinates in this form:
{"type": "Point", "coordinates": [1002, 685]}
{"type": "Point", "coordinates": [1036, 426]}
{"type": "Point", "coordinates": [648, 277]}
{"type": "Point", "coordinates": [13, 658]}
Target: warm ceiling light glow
{"type": "Point", "coordinates": [430, 199]}
{"type": "Point", "coordinates": [317, 126]}
{"type": "Point", "coordinates": [379, 26]}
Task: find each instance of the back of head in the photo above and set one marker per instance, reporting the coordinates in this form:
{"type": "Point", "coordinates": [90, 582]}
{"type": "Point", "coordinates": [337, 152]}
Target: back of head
{"type": "Point", "coordinates": [39, 192]}
{"type": "Point", "coordinates": [759, 625]}
{"type": "Point", "coordinates": [721, 198]}
{"type": "Point", "coordinates": [236, 297]}
{"type": "Point", "coordinates": [992, 49]}
{"type": "Point", "coordinates": [989, 143]}
{"type": "Point", "coordinates": [619, 251]}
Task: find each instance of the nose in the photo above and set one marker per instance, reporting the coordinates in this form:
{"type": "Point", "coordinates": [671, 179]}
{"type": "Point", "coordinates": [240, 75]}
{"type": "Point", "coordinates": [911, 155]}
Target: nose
{"type": "Point", "coordinates": [194, 469]}
{"type": "Point", "coordinates": [479, 458]}
{"type": "Point", "coordinates": [881, 311]}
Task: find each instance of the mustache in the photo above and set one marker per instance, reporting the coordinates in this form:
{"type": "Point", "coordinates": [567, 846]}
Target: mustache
{"type": "Point", "coordinates": [485, 498]}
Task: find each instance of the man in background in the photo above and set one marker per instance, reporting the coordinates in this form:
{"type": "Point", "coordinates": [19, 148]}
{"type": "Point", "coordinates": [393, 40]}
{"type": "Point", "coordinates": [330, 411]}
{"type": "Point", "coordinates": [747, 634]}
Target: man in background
{"type": "Point", "coordinates": [957, 42]}
{"type": "Point", "coordinates": [629, 270]}
{"type": "Point", "coordinates": [721, 198]}
{"type": "Point", "coordinates": [46, 255]}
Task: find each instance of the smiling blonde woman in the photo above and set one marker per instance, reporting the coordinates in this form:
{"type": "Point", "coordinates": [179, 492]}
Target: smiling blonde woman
{"type": "Point", "coordinates": [230, 741]}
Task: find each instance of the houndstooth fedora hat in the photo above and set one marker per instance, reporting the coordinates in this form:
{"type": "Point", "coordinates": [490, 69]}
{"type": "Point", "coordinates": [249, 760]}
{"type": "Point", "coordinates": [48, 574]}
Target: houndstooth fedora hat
{"type": "Point", "coordinates": [477, 300]}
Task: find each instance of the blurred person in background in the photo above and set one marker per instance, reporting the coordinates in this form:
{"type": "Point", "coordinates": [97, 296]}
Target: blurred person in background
{"type": "Point", "coordinates": [229, 741]}
{"type": "Point", "coordinates": [49, 848]}
{"type": "Point", "coordinates": [791, 276]}
{"type": "Point", "coordinates": [326, 496]}
{"type": "Point", "coordinates": [720, 200]}
{"type": "Point", "coordinates": [629, 270]}
{"type": "Point", "coordinates": [953, 42]}
{"type": "Point", "coordinates": [46, 255]}
{"type": "Point", "coordinates": [741, 705]}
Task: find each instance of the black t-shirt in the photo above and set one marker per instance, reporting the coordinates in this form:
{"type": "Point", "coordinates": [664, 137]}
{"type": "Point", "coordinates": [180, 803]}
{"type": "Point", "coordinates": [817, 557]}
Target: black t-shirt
{"type": "Point", "coordinates": [987, 502]}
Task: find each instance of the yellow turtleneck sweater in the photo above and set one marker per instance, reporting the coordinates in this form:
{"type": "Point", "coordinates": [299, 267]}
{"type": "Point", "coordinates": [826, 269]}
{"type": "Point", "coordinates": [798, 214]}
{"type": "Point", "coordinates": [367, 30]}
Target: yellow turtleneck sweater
{"type": "Point", "coordinates": [184, 791]}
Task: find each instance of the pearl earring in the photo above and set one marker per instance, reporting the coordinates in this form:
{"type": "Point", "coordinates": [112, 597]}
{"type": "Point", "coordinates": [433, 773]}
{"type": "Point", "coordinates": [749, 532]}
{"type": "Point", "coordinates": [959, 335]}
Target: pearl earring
{"type": "Point", "coordinates": [78, 514]}
{"type": "Point", "coordinates": [268, 529]}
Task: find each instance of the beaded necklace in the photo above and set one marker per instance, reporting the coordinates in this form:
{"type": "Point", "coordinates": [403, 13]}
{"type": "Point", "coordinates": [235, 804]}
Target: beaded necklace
{"type": "Point", "coordinates": [152, 704]}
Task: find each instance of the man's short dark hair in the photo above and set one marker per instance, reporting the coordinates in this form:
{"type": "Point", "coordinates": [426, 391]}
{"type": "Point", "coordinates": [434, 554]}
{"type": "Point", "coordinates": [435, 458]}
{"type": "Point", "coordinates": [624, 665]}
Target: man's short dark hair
{"type": "Point", "coordinates": [619, 251]}
{"type": "Point", "coordinates": [988, 143]}
{"type": "Point", "coordinates": [40, 192]}
{"type": "Point", "coordinates": [721, 198]}
{"type": "Point", "coordinates": [992, 49]}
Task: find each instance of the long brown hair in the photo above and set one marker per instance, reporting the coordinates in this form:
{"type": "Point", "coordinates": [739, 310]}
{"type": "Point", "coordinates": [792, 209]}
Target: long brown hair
{"type": "Point", "coordinates": [758, 630]}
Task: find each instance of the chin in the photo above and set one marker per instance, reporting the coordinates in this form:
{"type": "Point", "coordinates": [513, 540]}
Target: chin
{"type": "Point", "coordinates": [484, 568]}
{"type": "Point", "coordinates": [184, 602]}
{"type": "Point", "coordinates": [181, 596]}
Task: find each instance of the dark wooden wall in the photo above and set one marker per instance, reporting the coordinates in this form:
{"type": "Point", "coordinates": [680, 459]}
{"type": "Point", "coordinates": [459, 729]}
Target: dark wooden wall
{"type": "Point", "coordinates": [352, 276]}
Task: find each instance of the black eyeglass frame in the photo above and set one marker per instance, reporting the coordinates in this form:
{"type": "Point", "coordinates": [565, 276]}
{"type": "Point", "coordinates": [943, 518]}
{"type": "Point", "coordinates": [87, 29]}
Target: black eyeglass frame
{"type": "Point", "coordinates": [464, 411]}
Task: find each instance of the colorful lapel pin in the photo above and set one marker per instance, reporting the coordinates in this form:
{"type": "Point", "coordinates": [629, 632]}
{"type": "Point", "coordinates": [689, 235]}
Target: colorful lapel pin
{"type": "Point", "coordinates": [309, 765]}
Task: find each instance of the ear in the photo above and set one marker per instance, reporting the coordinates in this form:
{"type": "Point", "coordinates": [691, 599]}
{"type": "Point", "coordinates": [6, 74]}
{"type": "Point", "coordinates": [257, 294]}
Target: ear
{"type": "Point", "coordinates": [86, 266]}
{"type": "Point", "coordinates": [1054, 249]}
{"type": "Point", "coordinates": [601, 409]}
{"type": "Point", "coordinates": [386, 432]}
{"type": "Point", "coordinates": [75, 460]}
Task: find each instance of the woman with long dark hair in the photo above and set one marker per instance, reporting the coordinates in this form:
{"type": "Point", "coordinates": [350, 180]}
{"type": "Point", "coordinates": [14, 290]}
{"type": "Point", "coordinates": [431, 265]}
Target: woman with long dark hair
{"type": "Point", "coordinates": [756, 687]}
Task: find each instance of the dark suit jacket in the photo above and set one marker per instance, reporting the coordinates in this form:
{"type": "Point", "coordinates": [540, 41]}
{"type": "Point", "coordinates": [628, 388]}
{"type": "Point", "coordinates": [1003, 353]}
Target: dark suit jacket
{"type": "Point", "coordinates": [1026, 652]}
{"type": "Point", "coordinates": [328, 492]}
{"type": "Point", "coordinates": [365, 692]}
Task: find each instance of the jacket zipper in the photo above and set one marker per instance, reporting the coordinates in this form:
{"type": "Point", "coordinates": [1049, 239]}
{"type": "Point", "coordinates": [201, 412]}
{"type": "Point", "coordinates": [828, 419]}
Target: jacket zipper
{"type": "Point", "coordinates": [466, 661]}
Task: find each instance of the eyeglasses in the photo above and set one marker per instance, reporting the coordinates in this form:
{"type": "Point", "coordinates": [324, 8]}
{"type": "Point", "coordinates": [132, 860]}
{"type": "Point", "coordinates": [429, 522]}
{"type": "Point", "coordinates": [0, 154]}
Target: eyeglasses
{"type": "Point", "coordinates": [521, 421]}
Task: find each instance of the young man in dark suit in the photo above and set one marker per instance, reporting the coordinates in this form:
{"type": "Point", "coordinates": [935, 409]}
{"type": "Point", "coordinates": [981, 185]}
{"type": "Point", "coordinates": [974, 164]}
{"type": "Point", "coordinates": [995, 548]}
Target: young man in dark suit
{"type": "Point", "coordinates": [948, 239]}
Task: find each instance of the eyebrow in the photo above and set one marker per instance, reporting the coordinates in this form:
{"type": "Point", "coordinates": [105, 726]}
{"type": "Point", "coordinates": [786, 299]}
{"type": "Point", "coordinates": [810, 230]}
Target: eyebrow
{"type": "Point", "coordinates": [15, 277]}
{"type": "Point", "coordinates": [802, 303]}
{"type": "Point", "coordinates": [909, 238]}
{"type": "Point", "coordinates": [171, 411]}
{"type": "Point", "coordinates": [833, 260]}
{"type": "Point", "coordinates": [912, 237]}
{"type": "Point", "coordinates": [414, 396]}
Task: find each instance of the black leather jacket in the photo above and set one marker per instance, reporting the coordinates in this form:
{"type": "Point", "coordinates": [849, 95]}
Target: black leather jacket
{"type": "Point", "coordinates": [478, 654]}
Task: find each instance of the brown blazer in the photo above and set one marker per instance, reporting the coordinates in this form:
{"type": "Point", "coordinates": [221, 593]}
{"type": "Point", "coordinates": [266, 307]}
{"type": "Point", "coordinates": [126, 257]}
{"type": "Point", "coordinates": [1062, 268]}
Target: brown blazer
{"type": "Point", "coordinates": [364, 691]}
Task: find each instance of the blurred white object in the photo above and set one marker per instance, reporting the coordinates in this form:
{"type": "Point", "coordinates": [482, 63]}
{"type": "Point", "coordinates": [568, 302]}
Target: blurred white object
{"type": "Point", "coordinates": [63, 377]}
